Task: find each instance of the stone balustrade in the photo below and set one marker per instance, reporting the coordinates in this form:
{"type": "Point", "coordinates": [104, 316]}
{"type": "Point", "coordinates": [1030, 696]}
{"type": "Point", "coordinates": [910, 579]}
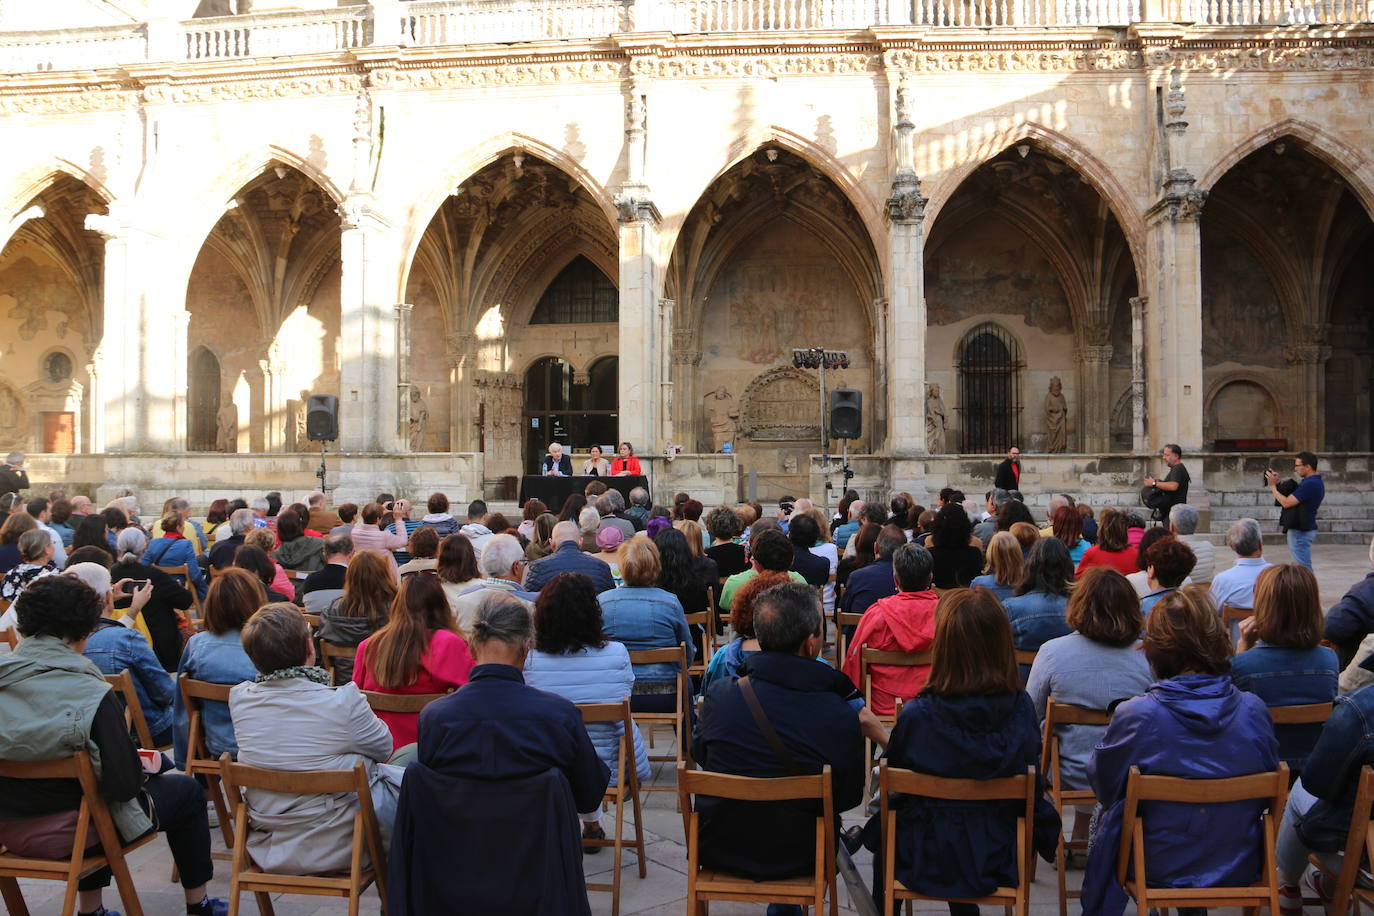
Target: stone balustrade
{"type": "Point", "coordinates": [435, 23]}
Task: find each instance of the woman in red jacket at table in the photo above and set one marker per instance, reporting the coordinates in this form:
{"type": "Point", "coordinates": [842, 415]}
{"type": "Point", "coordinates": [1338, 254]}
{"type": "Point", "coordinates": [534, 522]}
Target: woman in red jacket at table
{"type": "Point", "coordinates": [626, 462]}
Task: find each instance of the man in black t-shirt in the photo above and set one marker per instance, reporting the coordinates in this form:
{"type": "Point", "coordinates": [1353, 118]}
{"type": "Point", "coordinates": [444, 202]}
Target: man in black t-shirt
{"type": "Point", "coordinates": [1171, 490]}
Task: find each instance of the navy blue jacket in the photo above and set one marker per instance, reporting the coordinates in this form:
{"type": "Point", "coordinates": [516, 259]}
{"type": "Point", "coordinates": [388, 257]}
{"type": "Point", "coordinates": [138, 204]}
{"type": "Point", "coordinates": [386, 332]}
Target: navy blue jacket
{"type": "Point", "coordinates": [867, 585]}
{"type": "Point", "coordinates": [806, 702]}
{"type": "Point", "coordinates": [952, 848]}
{"type": "Point", "coordinates": [814, 569]}
{"type": "Point", "coordinates": [1351, 619]}
{"type": "Point", "coordinates": [498, 727]}
{"type": "Point", "coordinates": [569, 558]}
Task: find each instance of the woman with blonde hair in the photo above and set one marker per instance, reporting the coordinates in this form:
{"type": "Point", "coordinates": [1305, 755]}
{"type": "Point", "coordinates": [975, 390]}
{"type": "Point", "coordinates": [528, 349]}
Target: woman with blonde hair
{"type": "Point", "coordinates": [643, 616]}
{"type": "Point", "coordinates": [1026, 535]}
{"type": "Point", "coordinates": [1280, 657]}
{"type": "Point", "coordinates": [361, 610]}
{"type": "Point", "coordinates": [418, 651]}
{"type": "Point", "coordinates": [1005, 566]}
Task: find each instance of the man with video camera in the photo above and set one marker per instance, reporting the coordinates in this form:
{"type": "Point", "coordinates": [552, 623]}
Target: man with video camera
{"type": "Point", "coordinates": [1299, 501]}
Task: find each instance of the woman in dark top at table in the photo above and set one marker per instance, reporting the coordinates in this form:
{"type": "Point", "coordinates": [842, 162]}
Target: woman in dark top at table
{"type": "Point", "coordinates": [723, 525]}
{"type": "Point", "coordinates": [957, 561]}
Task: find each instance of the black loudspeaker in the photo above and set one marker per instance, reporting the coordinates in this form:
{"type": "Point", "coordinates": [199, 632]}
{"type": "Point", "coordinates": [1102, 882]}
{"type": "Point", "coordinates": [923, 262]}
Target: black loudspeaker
{"type": "Point", "coordinates": [322, 418]}
{"type": "Point", "coordinates": [846, 413]}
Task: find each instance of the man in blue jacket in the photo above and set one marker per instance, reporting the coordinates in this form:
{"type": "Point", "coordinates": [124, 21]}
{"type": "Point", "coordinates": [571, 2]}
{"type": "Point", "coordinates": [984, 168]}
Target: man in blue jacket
{"type": "Point", "coordinates": [567, 556]}
{"type": "Point", "coordinates": [874, 581]}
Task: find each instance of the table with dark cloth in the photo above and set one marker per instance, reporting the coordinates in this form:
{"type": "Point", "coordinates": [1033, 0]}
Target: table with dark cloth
{"type": "Point", "coordinates": [554, 491]}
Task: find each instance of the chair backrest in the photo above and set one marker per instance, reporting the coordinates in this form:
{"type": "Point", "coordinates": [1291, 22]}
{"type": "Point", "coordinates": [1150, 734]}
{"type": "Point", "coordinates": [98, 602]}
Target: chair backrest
{"type": "Point", "coordinates": [182, 573]}
{"type": "Point", "coordinates": [1025, 656]}
{"type": "Point", "coordinates": [675, 654]}
{"type": "Point", "coordinates": [1304, 714]}
{"type": "Point", "coordinates": [1230, 613]}
{"type": "Point", "coordinates": [77, 767]}
{"type": "Point", "coordinates": [870, 657]}
{"type": "Point", "coordinates": [400, 702]}
{"type": "Point", "coordinates": [749, 788]}
{"type": "Point", "coordinates": [1270, 787]}
{"type": "Point", "coordinates": [123, 684]}
{"type": "Point", "coordinates": [1057, 714]}
{"type": "Point", "coordinates": [329, 651]}
{"type": "Point", "coordinates": [699, 619]}
{"type": "Point", "coordinates": [619, 713]}
{"type": "Point", "coordinates": [10, 636]}
{"type": "Point", "coordinates": [1359, 841]}
{"type": "Point", "coordinates": [193, 693]}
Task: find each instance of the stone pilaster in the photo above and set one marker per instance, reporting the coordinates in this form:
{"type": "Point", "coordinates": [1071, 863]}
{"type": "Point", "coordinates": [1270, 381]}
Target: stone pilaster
{"type": "Point", "coordinates": [903, 344]}
{"type": "Point", "coordinates": [1094, 357]}
{"type": "Point", "coordinates": [1307, 424]}
{"type": "Point", "coordinates": [367, 321]}
{"type": "Point", "coordinates": [181, 324]}
{"type": "Point", "coordinates": [1139, 441]}
{"type": "Point", "coordinates": [140, 331]}
{"type": "Point", "coordinates": [687, 428]}
{"type": "Point", "coordinates": [403, 312]}
{"type": "Point", "coordinates": [463, 429]}
{"type": "Point", "coordinates": [1173, 326]}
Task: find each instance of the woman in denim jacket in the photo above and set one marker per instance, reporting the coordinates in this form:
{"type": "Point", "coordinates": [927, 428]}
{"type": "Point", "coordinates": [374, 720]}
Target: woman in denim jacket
{"type": "Point", "coordinates": [1037, 609]}
{"type": "Point", "coordinates": [216, 655]}
{"type": "Point", "coordinates": [1280, 659]}
{"type": "Point", "coordinates": [642, 616]}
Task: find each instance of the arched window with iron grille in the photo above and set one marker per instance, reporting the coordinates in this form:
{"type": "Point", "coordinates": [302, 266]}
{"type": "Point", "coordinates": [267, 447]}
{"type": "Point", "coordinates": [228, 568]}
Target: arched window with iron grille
{"type": "Point", "coordinates": [989, 390]}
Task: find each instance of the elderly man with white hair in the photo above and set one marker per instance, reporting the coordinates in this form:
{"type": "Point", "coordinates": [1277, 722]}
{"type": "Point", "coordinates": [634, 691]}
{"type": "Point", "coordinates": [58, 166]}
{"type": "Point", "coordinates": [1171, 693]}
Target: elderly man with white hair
{"type": "Point", "coordinates": [240, 523]}
{"type": "Point", "coordinates": [502, 566]}
{"type": "Point", "coordinates": [567, 556]}
{"type": "Point", "coordinates": [557, 464]}
{"type": "Point", "coordinates": [1236, 586]}
{"type": "Point", "coordinates": [1183, 520]}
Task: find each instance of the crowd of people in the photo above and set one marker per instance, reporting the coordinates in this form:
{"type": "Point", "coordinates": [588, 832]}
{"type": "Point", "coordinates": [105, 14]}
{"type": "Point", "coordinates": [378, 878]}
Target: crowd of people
{"type": "Point", "coordinates": [511, 622]}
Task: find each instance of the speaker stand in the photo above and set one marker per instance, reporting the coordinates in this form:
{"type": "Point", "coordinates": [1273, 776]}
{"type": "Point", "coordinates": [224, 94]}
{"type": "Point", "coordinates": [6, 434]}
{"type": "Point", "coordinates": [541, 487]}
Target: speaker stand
{"type": "Point", "coordinates": [324, 487]}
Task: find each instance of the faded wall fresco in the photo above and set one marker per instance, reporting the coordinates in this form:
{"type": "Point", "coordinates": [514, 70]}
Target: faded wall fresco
{"type": "Point", "coordinates": [991, 267]}
{"type": "Point", "coordinates": [1237, 299]}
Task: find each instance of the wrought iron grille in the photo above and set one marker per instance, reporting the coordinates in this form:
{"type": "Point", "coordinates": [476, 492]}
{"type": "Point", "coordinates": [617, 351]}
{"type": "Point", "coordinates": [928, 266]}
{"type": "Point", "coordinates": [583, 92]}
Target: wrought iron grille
{"type": "Point", "coordinates": [989, 405]}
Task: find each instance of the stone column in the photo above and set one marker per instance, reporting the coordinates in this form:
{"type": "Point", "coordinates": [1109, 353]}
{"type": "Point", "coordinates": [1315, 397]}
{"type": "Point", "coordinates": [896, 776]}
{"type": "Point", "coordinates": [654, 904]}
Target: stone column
{"type": "Point", "coordinates": [1139, 442]}
{"type": "Point", "coordinates": [1307, 424]}
{"type": "Point", "coordinates": [181, 324]}
{"type": "Point", "coordinates": [95, 417]}
{"type": "Point", "coordinates": [138, 397]}
{"type": "Point", "coordinates": [462, 405]}
{"type": "Point", "coordinates": [686, 393]}
{"type": "Point", "coordinates": [666, 387]}
{"type": "Point", "coordinates": [1094, 358]}
{"type": "Point", "coordinates": [367, 329]}
{"type": "Point", "coordinates": [403, 313]}
{"type": "Point", "coordinates": [905, 339]}
{"type": "Point", "coordinates": [1174, 389]}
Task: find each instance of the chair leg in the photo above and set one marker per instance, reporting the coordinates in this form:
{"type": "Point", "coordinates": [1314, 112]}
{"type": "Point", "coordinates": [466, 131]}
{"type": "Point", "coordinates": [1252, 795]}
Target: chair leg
{"type": "Point", "coordinates": [264, 900]}
{"type": "Point", "coordinates": [1060, 865]}
{"type": "Point", "coordinates": [13, 897]}
{"type": "Point", "coordinates": [215, 792]}
{"type": "Point", "coordinates": [128, 892]}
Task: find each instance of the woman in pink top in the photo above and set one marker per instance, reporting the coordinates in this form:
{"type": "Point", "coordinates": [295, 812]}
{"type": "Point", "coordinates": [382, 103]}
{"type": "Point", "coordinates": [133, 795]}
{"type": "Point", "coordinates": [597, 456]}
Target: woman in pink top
{"type": "Point", "coordinates": [418, 651]}
{"type": "Point", "coordinates": [367, 536]}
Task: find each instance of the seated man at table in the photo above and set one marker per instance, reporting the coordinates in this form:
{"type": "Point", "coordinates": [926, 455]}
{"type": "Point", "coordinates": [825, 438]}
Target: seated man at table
{"type": "Point", "coordinates": [557, 464]}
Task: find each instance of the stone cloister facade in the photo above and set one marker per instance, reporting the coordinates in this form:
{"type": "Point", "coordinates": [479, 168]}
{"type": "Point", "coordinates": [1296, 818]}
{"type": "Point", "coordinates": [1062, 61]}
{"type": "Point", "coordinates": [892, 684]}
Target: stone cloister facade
{"type": "Point", "coordinates": [606, 231]}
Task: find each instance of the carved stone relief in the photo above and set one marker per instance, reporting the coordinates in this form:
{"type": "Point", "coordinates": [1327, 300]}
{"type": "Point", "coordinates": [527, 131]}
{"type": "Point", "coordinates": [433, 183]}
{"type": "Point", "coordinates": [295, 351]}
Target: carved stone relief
{"type": "Point", "coordinates": [780, 405]}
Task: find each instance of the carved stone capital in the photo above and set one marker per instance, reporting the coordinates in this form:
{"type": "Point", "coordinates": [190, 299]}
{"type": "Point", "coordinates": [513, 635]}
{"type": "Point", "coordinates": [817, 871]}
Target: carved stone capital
{"type": "Point", "coordinates": [357, 212]}
{"type": "Point", "coordinates": [906, 204]}
{"type": "Point", "coordinates": [1093, 354]}
{"type": "Point", "coordinates": [1306, 354]}
{"type": "Point", "coordinates": [581, 377]}
{"type": "Point", "coordinates": [1182, 201]}
{"type": "Point", "coordinates": [634, 205]}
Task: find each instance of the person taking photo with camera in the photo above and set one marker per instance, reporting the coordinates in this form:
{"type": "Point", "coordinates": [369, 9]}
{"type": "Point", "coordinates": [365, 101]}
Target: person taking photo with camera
{"type": "Point", "coordinates": [1299, 501]}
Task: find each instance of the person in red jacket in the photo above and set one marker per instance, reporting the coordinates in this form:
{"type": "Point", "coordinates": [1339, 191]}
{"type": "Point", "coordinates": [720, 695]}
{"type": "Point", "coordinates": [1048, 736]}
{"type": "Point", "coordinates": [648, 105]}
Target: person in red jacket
{"type": "Point", "coordinates": [625, 463]}
{"type": "Point", "coordinates": [904, 622]}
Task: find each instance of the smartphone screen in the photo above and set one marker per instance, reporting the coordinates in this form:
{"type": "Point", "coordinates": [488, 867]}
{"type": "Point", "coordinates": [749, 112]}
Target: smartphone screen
{"type": "Point", "coordinates": [133, 585]}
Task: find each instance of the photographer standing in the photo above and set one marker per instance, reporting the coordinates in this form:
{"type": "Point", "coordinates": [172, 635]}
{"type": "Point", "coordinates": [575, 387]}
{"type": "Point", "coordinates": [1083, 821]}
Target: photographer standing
{"type": "Point", "coordinates": [1162, 495]}
{"type": "Point", "coordinates": [13, 477]}
{"type": "Point", "coordinates": [1299, 503]}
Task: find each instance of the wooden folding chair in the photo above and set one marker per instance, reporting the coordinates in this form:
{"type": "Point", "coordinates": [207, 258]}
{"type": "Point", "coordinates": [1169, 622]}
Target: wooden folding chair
{"type": "Point", "coordinates": [400, 702]}
{"type": "Point", "coordinates": [1131, 867]}
{"type": "Point", "coordinates": [297, 577]}
{"type": "Point", "coordinates": [705, 884]}
{"type": "Point", "coordinates": [867, 659]}
{"type": "Point", "coordinates": [198, 759]}
{"type": "Point", "coordinates": [123, 684]}
{"type": "Point", "coordinates": [1010, 788]}
{"type": "Point", "coordinates": [1301, 714]}
{"type": "Point", "coordinates": [1231, 614]}
{"type": "Point", "coordinates": [843, 620]}
{"type": "Point", "coordinates": [1025, 656]}
{"type": "Point", "coordinates": [10, 636]}
{"type": "Point", "coordinates": [1065, 714]}
{"type": "Point", "coordinates": [1359, 848]}
{"type": "Point", "coordinates": [678, 719]}
{"type": "Point", "coordinates": [702, 619]}
{"type": "Point", "coordinates": [329, 651]}
{"type": "Point", "coordinates": [105, 848]}
{"type": "Point", "coordinates": [624, 788]}
{"type": "Point", "coordinates": [367, 837]}
{"type": "Point", "coordinates": [183, 576]}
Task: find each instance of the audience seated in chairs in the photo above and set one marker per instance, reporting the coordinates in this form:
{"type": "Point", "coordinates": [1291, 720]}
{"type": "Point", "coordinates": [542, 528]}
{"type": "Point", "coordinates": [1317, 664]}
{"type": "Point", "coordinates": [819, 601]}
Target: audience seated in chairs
{"type": "Point", "coordinates": [493, 759]}
{"type": "Point", "coordinates": [1236, 586]}
{"type": "Point", "coordinates": [1037, 609]}
{"type": "Point", "coordinates": [115, 647]}
{"type": "Point", "coordinates": [298, 551]}
{"type": "Point", "coordinates": [723, 525]}
{"type": "Point", "coordinates": [643, 616]}
{"type": "Point", "coordinates": [568, 556]}
{"type": "Point", "coordinates": [418, 651]}
{"type": "Point", "coordinates": [904, 622]}
{"type": "Point", "coordinates": [323, 586]}
{"type": "Point", "coordinates": [35, 561]}
{"type": "Point", "coordinates": [1279, 657]}
{"type": "Point", "coordinates": [1113, 547]}
{"type": "Point", "coordinates": [541, 536]}
{"type": "Point", "coordinates": [289, 718]}
{"type": "Point", "coordinates": [173, 548]}
{"type": "Point", "coordinates": [1067, 526]}
{"type": "Point", "coordinates": [456, 568]}
{"type": "Point", "coordinates": [216, 655]}
{"type": "Point", "coordinates": [259, 562]}
{"type": "Point", "coordinates": [874, 581]}
{"type": "Point", "coordinates": [241, 521]}
{"type": "Point", "coordinates": [956, 554]}
{"type": "Point", "coordinates": [159, 618]}
{"type": "Point", "coordinates": [1351, 619]}
{"type": "Point", "coordinates": [422, 546]}
{"type": "Point", "coordinates": [1005, 566]}
{"type": "Point", "coordinates": [573, 658]}
{"type": "Point", "coordinates": [361, 610]}
{"type": "Point", "coordinates": [729, 661]}
{"type": "Point", "coordinates": [1167, 564]}
{"type": "Point", "coordinates": [437, 516]}
{"type": "Point", "coordinates": [46, 677]}
{"type": "Point", "coordinates": [972, 720]}
{"type": "Point", "coordinates": [502, 565]}
{"type": "Point", "coordinates": [1192, 722]}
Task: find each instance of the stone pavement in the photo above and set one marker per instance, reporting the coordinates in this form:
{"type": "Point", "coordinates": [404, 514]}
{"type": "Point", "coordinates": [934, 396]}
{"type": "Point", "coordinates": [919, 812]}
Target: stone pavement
{"type": "Point", "coordinates": [664, 889]}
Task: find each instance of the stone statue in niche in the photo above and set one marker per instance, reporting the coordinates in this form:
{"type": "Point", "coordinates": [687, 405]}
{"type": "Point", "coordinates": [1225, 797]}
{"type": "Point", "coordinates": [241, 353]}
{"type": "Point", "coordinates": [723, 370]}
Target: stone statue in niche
{"type": "Point", "coordinates": [227, 429]}
{"type": "Point", "coordinates": [936, 420]}
{"type": "Point", "coordinates": [1056, 418]}
{"type": "Point", "coordinates": [13, 419]}
{"type": "Point", "coordinates": [419, 419]}
{"type": "Point", "coordinates": [723, 414]}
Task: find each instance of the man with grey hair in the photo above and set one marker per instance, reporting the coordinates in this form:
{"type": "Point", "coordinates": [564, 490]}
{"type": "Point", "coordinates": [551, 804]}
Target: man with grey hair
{"type": "Point", "coordinates": [810, 707]}
{"type": "Point", "coordinates": [639, 507]}
{"type": "Point", "coordinates": [502, 565]}
{"type": "Point", "coordinates": [240, 523]}
{"type": "Point", "coordinates": [259, 508]}
{"type": "Point", "coordinates": [606, 507]}
{"type": "Point", "coordinates": [1057, 502]}
{"type": "Point", "coordinates": [325, 584]}
{"type": "Point", "coordinates": [568, 557]}
{"type": "Point", "coordinates": [1236, 586]}
{"type": "Point", "coordinates": [13, 477]}
{"type": "Point", "coordinates": [1183, 520]}
{"type": "Point", "coordinates": [851, 526]}
{"type": "Point", "coordinates": [985, 529]}
{"type": "Point", "coordinates": [904, 622]}
{"type": "Point", "coordinates": [619, 512]}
